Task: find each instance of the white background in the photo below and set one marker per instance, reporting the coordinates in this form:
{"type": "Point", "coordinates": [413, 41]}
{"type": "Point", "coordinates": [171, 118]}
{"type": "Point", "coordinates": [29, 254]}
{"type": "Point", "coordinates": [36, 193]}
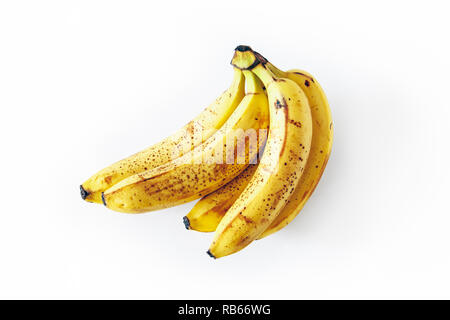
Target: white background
{"type": "Point", "coordinates": [85, 83]}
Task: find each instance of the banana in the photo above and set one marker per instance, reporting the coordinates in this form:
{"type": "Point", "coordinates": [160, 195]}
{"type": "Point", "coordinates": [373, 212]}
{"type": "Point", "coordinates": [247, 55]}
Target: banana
{"type": "Point", "coordinates": [204, 169]}
{"type": "Point", "coordinates": [208, 211]}
{"type": "Point", "coordinates": [322, 141]}
{"type": "Point", "coordinates": [181, 142]}
{"type": "Point", "coordinates": [281, 166]}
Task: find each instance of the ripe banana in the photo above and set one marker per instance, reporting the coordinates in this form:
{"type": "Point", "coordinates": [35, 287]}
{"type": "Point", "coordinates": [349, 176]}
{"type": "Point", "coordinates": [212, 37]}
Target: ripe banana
{"type": "Point", "coordinates": [281, 166]}
{"type": "Point", "coordinates": [208, 211]}
{"type": "Point", "coordinates": [204, 169]}
{"type": "Point", "coordinates": [321, 143]}
{"type": "Point", "coordinates": [181, 142]}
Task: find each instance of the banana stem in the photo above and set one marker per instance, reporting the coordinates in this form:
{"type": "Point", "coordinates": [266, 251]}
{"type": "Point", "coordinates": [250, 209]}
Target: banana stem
{"type": "Point", "coordinates": [251, 83]}
{"type": "Point", "coordinates": [264, 74]}
{"type": "Point", "coordinates": [246, 59]}
{"type": "Point", "coordinates": [277, 72]}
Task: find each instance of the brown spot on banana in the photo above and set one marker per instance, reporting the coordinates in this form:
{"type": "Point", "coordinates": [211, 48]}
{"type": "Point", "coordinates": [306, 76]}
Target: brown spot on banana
{"type": "Point", "coordinates": [243, 241]}
{"type": "Point", "coordinates": [295, 123]}
{"type": "Point", "coordinates": [246, 219]}
{"type": "Point", "coordinates": [282, 104]}
{"type": "Point", "coordinates": [305, 75]}
{"type": "Point", "coordinates": [286, 122]}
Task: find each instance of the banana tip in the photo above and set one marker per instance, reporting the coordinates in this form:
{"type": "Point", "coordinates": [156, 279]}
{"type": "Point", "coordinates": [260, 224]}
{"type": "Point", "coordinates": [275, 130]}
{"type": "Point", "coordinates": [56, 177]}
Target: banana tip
{"type": "Point", "coordinates": [210, 254]}
{"type": "Point", "coordinates": [243, 48]}
{"type": "Point", "coordinates": [186, 222]}
{"type": "Point", "coordinates": [103, 199]}
{"type": "Point", "coordinates": [84, 193]}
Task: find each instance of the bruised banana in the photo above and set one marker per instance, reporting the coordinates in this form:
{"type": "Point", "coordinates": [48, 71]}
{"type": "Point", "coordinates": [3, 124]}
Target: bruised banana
{"type": "Point", "coordinates": [207, 213]}
{"type": "Point", "coordinates": [184, 140]}
{"type": "Point", "coordinates": [204, 169]}
{"type": "Point", "coordinates": [281, 165]}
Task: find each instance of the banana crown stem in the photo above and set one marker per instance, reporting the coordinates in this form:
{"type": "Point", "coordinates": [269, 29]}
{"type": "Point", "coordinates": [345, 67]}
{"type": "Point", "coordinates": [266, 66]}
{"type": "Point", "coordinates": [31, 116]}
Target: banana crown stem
{"type": "Point", "coordinates": [246, 59]}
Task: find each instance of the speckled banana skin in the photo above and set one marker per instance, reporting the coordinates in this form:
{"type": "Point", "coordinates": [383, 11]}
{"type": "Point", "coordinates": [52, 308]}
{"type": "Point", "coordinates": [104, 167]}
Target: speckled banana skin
{"type": "Point", "coordinates": [190, 177]}
{"type": "Point", "coordinates": [322, 141]}
{"type": "Point", "coordinates": [209, 121]}
{"type": "Point", "coordinates": [281, 166]}
{"type": "Point", "coordinates": [208, 211]}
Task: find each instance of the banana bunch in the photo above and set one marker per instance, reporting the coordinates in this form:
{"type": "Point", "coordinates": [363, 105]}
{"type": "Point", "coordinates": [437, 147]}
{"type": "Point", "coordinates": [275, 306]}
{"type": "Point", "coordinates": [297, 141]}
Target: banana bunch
{"type": "Point", "coordinates": [253, 158]}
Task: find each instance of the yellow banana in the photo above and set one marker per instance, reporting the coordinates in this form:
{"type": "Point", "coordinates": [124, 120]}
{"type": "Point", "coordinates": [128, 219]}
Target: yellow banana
{"type": "Point", "coordinates": [322, 141]}
{"type": "Point", "coordinates": [208, 211]}
{"type": "Point", "coordinates": [281, 166]}
{"type": "Point", "coordinates": [204, 169]}
{"type": "Point", "coordinates": [181, 142]}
